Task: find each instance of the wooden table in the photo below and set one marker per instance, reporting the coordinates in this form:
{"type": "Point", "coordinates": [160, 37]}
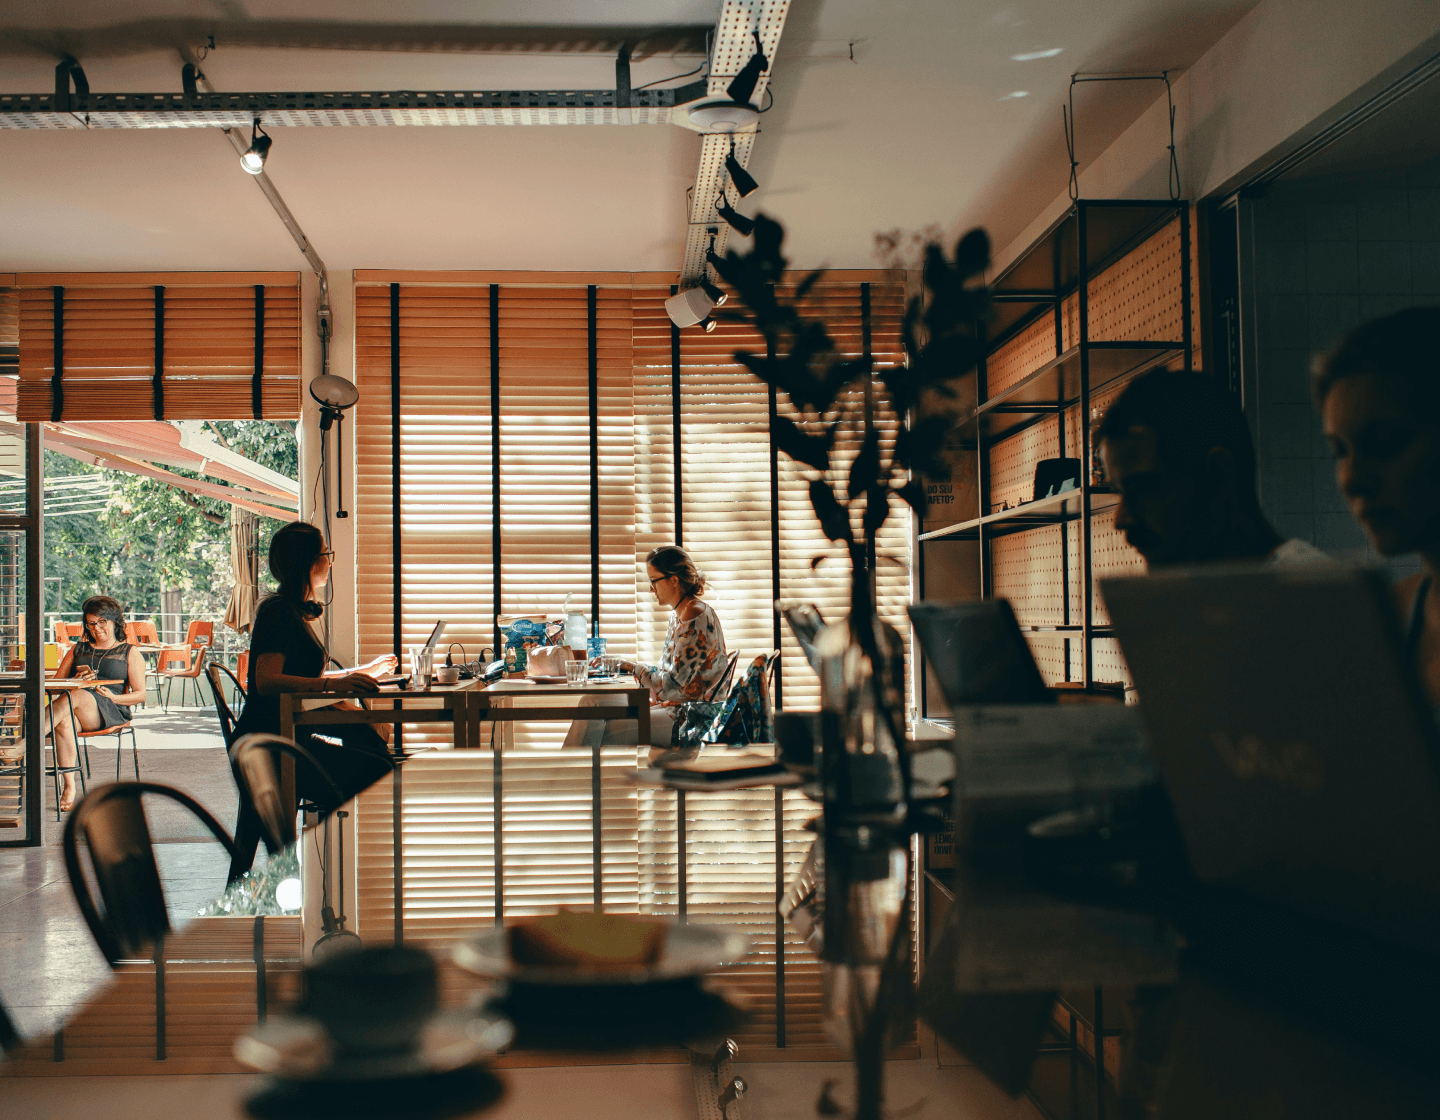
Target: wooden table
{"type": "Point", "coordinates": [496, 703]}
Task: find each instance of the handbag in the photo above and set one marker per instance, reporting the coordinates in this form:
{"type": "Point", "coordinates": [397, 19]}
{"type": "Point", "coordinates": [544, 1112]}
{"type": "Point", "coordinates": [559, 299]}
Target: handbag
{"type": "Point", "coordinates": [742, 717]}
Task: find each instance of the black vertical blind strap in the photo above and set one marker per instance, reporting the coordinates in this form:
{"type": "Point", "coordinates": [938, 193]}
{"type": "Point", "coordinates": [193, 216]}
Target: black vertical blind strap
{"type": "Point", "coordinates": [867, 350]}
{"type": "Point", "coordinates": [396, 552]}
{"type": "Point", "coordinates": [257, 379]}
{"type": "Point", "coordinates": [675, 430]}
{"type": "Point", "coordinates": [57, 377]}
{"type": "Point", "coordinates": [495, 556]}
{"type": "Point", "coordinates": [257, 944]}
{"type": "Point", "coordinates": [775, 528]}
{"type": "Point", "coordinates": [594, 467]}
{"type": "Point", "coordinates": [158, 381]}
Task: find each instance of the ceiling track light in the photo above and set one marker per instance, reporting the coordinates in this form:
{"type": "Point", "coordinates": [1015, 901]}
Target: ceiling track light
{"type": "Point", "coordinates": [744, 183]}
{"type": "Point", "coordinates": [707, 324]}
{"type": "Point", "coordinates": [717, 294]}
{"type": "Point", "coordinates": [254, 158]}
{"type": "Point", "coordinates": [742, 89]}
{"type": "Point", "coordinates": [733, 218]}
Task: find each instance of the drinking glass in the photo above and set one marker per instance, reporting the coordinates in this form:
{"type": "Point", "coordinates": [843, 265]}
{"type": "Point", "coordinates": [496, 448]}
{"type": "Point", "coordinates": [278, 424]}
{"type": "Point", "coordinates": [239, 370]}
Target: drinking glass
{"type": "Point", "coordinates": [610, 664]}
{"type": "Point", "coordinates": [421, 660]}
{"type": "Point", "coordinates": [575, 671]}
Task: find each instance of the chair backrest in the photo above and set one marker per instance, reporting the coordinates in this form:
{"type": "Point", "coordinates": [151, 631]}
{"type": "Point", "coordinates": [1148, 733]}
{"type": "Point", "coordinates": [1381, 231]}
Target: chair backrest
{"type": "Point", "coordinates": [242, 666]}
{"type": "Point", "coordinates": [721, 686]}
{"type": "Point", "coordinates": [111, 820]}
{"type": "Point", "coordinates": [199, 635]}
{"type": "Point", "coordinates": [213, 672]}
{"type": "Point", "coordinates": [257, 773]}
{"type": "Point", "coordinates": [143, 631]}
{"type": "Point", "coordinates": [66, 633]}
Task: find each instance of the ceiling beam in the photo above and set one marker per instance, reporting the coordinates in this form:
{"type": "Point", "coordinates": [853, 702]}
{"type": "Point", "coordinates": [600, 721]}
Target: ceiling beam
{"type": "Point", "coordinates": [734, 44]}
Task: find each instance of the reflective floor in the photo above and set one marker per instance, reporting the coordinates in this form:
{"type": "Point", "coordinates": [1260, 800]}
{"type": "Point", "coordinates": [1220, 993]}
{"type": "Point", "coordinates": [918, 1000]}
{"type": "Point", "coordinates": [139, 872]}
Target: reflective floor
{"type": "Point", "coordinates": [48, 960]}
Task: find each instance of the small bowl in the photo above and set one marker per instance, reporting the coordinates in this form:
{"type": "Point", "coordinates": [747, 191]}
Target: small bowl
{"type": "Point", "coordinates": [447, 674]}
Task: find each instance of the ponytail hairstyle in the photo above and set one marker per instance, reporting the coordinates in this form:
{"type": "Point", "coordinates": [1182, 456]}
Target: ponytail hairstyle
{"type": "Point", "coordinates": [293, 551]}
{"type": "Point", "coordinates": [672, 560]}
{"type": "Point", "coordinates": [102, 606]}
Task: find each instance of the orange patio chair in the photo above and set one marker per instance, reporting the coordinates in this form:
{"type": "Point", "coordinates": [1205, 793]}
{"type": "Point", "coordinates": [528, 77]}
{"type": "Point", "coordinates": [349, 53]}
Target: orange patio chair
{"type": "Point", "coordinates": [198, 638]}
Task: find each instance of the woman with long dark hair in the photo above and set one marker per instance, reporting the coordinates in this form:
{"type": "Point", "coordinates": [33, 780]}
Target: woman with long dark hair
{"type": "Point", "coordinates": [104, 653]}
{"type": "Point", "coordinates": [287, 656]}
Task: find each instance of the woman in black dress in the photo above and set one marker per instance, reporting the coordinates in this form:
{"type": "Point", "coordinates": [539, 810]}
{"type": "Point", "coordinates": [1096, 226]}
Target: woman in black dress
{"type": "Point", "coordinates": [287, 656]}
{"type": "Point", "coordinates": [102, 654]}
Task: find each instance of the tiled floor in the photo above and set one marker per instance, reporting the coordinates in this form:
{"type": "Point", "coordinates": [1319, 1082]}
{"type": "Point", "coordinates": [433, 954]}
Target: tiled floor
{"type": "Point", "coordinates": [48, 960]}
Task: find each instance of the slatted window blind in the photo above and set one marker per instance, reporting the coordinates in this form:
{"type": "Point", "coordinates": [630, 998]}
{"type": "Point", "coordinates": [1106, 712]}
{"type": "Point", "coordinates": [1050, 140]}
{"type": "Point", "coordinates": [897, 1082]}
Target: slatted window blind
{"type": "Point", "coordinates": [162, 346]}
{"type": "Point", "coordinates": [541, 358]}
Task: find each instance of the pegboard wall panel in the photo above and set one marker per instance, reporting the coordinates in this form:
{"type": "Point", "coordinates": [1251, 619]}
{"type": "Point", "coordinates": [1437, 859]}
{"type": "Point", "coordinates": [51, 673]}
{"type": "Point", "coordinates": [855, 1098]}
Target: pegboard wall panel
{"type": "Point", "coordinates": [1012, 463]}
{"type": "Point", "coordinates": [1049, 653]}
{"type": "Point", "coordinates": [1021, 356]}
{"type": "Point", "coordinates": [1110, 555]}
{"type": "Point", "coordinates": [1110, 664]}
{"type": "Point", "coordinates": [1027, 569]}
{"type": "Point", "coordinates": [1138, 297]}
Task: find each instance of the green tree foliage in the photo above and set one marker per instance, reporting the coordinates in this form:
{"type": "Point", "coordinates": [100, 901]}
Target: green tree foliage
{"type": "Point", "coordinates": [152, 531]}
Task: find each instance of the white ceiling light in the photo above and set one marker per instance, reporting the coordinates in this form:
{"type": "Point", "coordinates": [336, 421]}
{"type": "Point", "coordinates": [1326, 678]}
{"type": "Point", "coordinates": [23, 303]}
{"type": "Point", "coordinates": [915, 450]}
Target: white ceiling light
{"type": "Point", "coordinates": [253, 160]}
{"type": "Point", "coordinates": [689, 307]}
{"type": "Point", "coordinates": [1031, 56]}
{"type": "Point", "coordinates": [1019, 93]}
{"type": "Point", "coordinates": [723, 116]}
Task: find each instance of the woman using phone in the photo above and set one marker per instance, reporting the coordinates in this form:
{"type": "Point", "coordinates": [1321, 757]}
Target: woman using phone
{"type": "Point", "coordinates": [102, 654]}
{"type": "Point", "coordinates": [287, 656]}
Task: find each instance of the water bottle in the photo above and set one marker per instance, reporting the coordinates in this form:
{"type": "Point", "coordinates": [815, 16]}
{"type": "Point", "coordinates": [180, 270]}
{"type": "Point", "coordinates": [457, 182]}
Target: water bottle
{"type": "Point", "coordinates": [576, 628]}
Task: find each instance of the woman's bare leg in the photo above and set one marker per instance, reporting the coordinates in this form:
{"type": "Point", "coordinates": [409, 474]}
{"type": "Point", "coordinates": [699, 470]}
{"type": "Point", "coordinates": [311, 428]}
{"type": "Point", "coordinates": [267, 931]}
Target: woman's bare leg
{"type": "Point", "coordinates": [87, 718]}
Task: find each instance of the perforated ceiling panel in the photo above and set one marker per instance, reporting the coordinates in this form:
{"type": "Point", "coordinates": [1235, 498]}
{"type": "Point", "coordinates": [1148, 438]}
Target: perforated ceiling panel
{"type": "Point", "coordinates": [734, 44]}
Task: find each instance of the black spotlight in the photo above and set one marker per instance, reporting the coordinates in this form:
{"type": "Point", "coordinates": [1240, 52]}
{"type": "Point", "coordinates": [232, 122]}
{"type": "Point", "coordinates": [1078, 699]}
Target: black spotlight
{"type": "Point", "coordinates": [253, 160]}
{"type": "Point", "coordinates": [737, 221]}
{"type": "Point", "coordinates": [707, 324]}
{"type": "Point", "coordinates": [717, 294]}
{"type": "Point", "coordinates": [744, 184]}
{"type": "Point", "coordinates": [742, 89]}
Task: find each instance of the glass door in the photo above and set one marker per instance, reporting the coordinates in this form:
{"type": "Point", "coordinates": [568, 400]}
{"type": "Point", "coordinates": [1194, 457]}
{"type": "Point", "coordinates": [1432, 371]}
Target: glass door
{"type": "Point", "coordinates": [23, 652]}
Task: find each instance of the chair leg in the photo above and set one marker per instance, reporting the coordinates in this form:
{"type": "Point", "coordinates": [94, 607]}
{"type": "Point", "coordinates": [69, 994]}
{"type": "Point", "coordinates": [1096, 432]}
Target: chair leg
{"type": "Point", "coordinates": [134, 750]}
{"type": "Point", "coordinates": [85, 745]}
{"type": "Point", "coordinates": [165, 704]}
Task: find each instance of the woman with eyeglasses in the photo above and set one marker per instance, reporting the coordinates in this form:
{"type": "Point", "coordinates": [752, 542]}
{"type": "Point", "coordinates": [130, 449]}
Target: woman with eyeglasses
{"type": "Point", "coordinates": [286, 655]}
{"type": "Point", "coordinates": [692, 661]}
{"type": "Point", "coordinates": [102, 654]}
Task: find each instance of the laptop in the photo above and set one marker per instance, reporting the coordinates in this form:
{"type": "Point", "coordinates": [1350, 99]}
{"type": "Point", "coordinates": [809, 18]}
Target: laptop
{"type": "Point", "coordinates": [430, 644]}
{"type": "Point", "coordinates": [1295, 743]}
{"type": "Point", "coordinates": [978, 653]}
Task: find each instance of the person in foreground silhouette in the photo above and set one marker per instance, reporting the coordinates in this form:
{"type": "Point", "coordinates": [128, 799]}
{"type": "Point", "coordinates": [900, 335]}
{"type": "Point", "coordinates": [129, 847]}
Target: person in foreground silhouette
{"type": "Point", "coordinates": [1177, 448]}
{"type": "Point", "coordinates": [1378, 393]}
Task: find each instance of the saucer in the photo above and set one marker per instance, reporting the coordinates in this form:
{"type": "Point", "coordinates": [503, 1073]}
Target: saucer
{"type": "Point", "coordinates": [689, 951]}
{"type": "Point", "coordinates": [297, 1048]}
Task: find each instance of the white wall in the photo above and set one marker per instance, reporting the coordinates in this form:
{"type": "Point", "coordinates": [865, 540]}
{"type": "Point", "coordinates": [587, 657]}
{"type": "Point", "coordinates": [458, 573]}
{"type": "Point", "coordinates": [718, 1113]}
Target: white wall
{"type": "Point", "coordinates": [1284, 72]}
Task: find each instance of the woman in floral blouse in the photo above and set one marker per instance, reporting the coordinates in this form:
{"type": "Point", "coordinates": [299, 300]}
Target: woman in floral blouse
{"type": "Point", "coordinates": [691, 662]}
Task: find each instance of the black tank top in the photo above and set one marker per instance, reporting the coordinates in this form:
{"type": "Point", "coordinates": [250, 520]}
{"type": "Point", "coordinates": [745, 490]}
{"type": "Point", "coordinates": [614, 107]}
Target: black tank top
{"type": "Point", "coordinates": [111, 664]}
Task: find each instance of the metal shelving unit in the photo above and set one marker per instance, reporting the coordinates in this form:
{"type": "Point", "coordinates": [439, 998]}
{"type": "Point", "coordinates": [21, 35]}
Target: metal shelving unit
{"type": "Point", "coordinates": [1093, 235]}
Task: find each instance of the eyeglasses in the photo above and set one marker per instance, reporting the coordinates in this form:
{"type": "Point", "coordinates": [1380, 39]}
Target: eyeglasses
{"type": "Point", "coordinates": [659, 579]}
{"type": "Point", "coordinates": [330, 553]}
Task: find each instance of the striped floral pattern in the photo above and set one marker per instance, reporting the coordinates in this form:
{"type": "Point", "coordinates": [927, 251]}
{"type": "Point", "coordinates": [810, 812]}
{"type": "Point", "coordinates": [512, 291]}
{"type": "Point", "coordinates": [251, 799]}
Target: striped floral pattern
{"type": "Point", "coordinates": [692, 661]}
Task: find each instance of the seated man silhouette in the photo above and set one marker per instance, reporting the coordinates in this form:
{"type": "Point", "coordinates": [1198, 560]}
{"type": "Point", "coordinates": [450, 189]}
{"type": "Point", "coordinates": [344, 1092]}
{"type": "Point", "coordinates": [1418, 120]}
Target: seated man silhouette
{"type": "Point", "coordinates": [1177, 448]}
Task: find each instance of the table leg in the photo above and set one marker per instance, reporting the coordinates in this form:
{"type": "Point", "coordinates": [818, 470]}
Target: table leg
{"type": "Point", "coordinates": [595, 823]}
{"type": "Point", "coordinates": [642, 720]}
{"type": "Point", "coordinates": [288, 795]}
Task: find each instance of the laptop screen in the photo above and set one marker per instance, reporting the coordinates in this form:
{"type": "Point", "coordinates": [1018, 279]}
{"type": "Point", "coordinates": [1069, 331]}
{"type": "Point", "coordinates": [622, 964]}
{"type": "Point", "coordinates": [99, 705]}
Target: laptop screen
{"type": "Point", "coordinates": [978, 653]}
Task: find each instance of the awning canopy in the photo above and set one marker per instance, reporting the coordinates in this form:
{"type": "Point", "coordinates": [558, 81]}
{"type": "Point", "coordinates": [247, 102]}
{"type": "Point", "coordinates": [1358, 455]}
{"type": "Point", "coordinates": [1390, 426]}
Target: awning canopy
{"type": "Point", "coordinates": [144, 447]}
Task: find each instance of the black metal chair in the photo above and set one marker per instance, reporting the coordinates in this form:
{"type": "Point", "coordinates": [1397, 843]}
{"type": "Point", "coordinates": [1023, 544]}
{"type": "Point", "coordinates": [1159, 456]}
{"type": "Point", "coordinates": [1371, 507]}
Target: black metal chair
{"type": "Point", "coordinates": [111, 819]}
{"type": "Point", "coordinates": [256, 769]}
{"type": "Point", "coordinates": [721, 687]}
{"type": "Point", "coordinates": [227, 718]}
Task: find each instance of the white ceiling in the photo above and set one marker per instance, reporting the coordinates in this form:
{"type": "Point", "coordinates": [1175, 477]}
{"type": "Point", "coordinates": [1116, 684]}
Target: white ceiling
{"type": "Point", "coordinates": [921, 128]}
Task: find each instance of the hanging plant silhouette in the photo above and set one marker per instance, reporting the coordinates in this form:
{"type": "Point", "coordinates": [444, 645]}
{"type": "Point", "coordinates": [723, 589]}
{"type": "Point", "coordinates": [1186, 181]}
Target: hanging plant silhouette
{"type": "Point", "coordinates": [942, 343]}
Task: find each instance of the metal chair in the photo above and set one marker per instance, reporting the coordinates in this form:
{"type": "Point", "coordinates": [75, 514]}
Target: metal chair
{"type": "Point", "coordinates": [262, 814]}
{"type": "Point", "coordinates": [722, 683]}
{"type": "Point", "coordinates": [143, 632]}
{"type": "Point", "coordinates": [223, 711]}
{"type": "Point", "coordinates": [191, 673]}
{"type": "Point", "coordinates": [112, 822]}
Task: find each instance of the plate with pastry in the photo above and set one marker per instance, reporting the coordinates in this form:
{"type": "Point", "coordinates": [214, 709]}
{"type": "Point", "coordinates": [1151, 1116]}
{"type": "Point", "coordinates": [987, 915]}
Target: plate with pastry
{"type": "Point", "coordinates": [582, 947]}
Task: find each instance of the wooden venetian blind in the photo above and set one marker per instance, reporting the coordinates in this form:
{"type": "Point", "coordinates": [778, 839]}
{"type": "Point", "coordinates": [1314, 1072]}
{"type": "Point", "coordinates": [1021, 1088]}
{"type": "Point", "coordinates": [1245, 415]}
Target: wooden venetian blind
{"type": "Point", "coordinates": [162, 346]}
